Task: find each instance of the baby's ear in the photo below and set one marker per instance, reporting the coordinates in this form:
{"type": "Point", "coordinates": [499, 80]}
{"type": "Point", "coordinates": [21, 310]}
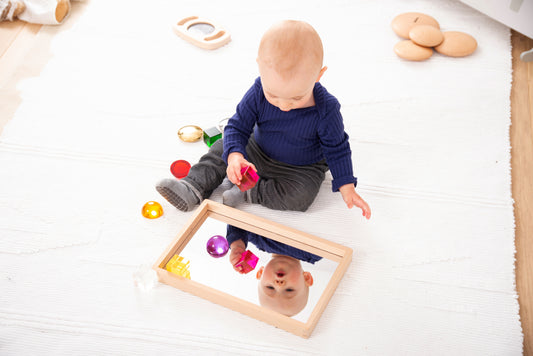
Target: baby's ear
{"type": "Point", "coordinates": [308, 279]}
{"type": "Point", "coordinates": [259, 273]}
{"type": "Point", "coordinates": [321, 73]}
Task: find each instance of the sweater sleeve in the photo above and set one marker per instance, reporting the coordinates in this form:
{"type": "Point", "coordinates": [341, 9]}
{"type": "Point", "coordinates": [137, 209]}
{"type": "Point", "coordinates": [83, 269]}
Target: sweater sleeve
{"type": "Point", "coordinates": [240, 126]}
{"type": "Point", "coordinates": [336, 147]}
{"type": "Point", "coordinates": [234, 233]}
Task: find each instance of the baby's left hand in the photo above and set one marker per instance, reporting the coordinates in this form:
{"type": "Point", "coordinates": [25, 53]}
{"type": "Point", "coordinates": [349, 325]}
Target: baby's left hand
{"type": "Point", "coordinates": [351, 198]}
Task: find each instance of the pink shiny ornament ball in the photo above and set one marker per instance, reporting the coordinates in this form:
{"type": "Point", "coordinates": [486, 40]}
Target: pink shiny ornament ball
{"type": "Point", "coordinates": [217, 246]}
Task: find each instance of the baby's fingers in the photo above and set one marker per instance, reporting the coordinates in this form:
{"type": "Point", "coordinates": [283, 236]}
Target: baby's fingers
{"type": "Point", "coordinates": [253, 166]}
{"type": "Point", "coordinates": [366, 211]}
{"type": "Point", "coordinates": [234, 175]}
{"type": "Point", "coordinates": [238, 175]}
{"type": "Point", "coordinates": [238, 269]}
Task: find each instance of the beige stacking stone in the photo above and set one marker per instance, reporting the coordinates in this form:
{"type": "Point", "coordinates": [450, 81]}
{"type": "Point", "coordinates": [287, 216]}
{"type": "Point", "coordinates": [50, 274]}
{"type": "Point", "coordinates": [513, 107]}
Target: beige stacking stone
{"type": "Point", "coordinates": [409, 50]}
{"type": "Point", "coordinates": [457, 44]}
{"type": "Point", "coordinates": [426, 35]}
{"type": "Point", "coordinates": [403, 23]}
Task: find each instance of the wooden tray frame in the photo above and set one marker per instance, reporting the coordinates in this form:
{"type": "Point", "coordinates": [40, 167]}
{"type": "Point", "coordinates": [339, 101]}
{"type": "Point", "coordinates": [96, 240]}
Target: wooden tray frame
{"type": "Point", "coordinates": [267, 228]}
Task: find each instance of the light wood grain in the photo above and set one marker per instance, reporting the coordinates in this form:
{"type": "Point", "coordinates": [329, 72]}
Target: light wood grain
{"type": "Point", "coordinates": [15, 36]}
{"type": "Point", "coordinates": [522, 181]}
{"type": "Point", "coordinates": [8, 33]}
{"type": "Point", "coordinates": [15, 39]}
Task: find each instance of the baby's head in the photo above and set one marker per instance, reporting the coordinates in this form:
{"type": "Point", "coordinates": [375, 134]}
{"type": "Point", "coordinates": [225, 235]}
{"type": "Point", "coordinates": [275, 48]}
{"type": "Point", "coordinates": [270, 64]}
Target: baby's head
{"type": "Point", "coordinates": [290, 62]}
{"type": "Point", "coordinates": [283, 285]}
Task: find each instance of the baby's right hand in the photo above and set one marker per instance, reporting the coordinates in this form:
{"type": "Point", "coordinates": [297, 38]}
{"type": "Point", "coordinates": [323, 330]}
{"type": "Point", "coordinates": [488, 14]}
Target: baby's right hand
{"type": "Point", "coordinates": [235, 163]}
{"type": "Point", "coordinates": [237, 249]}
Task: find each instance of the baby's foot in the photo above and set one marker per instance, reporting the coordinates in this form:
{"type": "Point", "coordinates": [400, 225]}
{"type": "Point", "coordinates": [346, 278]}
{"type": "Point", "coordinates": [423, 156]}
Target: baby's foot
{"type": "Point", "coordinates": [226, 184]}
{"type": "Point", "coordinates": [233, 197]}
{"type": "Point", "coordinates": [178, 193]}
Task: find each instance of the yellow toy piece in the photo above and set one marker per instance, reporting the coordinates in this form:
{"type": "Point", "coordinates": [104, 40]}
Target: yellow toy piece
{"type": "Point", "coordinates": [179, 265]}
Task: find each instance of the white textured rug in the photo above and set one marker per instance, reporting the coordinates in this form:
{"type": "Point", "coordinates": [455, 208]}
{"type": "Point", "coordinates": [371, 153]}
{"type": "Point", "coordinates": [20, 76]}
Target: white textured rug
{"type": "Point", "coordinates": [433, 270]}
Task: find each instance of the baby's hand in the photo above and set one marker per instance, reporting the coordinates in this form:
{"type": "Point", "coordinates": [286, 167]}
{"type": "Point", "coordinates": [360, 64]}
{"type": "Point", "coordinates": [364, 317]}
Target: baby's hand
{"type": "Point", "coordinates": [235, 162]}
{"type": "Point", "coordinates": [351, 198]}
{"type": "Point", "coordinates": [237, 249]}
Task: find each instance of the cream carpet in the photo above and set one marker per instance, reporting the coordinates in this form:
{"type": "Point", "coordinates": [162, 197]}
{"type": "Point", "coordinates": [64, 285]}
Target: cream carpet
{"type": "Point", "coordinates": [433, 270]}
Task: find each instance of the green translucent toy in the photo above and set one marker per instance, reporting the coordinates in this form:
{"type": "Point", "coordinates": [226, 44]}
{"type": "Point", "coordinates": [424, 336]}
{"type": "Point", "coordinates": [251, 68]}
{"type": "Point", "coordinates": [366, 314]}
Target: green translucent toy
{"type": "Point", "coordinates": [211, 135]}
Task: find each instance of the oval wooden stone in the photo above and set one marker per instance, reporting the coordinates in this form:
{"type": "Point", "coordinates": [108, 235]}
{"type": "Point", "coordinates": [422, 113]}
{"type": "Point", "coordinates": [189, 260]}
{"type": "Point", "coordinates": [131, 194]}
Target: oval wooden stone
{"type": "Point", "coordinates": [62, 10]}
{"type": "Point", "coordinates": [426, 35]}
{"type": "Point", "coordinates": [403, 23]}
{"type": "Point", "coordinates": [411, 51]}
{"type": "Point", "coordinates": [457, 44]}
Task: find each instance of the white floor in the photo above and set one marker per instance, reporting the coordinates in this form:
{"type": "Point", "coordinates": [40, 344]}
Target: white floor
{"type": "Point", "coordinates": [433, 270]}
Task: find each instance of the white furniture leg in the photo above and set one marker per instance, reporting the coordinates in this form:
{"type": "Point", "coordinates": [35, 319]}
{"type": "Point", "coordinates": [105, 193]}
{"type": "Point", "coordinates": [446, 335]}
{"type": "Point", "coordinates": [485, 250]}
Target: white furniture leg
{"type": "Point", "coordinates": [527, 56]}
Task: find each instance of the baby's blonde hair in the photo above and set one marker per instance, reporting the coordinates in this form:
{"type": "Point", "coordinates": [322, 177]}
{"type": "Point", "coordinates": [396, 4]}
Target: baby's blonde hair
{"type": "Point", "coordinates": [290, 44]}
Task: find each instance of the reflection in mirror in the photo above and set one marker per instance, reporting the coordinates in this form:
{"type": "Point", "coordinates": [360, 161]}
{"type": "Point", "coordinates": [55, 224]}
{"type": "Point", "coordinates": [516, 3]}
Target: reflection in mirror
{"type": "Point", "coordinates": [200, 29]}
{"type": "Point", "coordinates": [216, 280]}
{"type": "Point", "coordinates": [286, 279]}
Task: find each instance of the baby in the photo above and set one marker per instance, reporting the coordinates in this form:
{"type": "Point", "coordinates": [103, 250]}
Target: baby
{"type": "Point", "coordinates": [287, 127]}
{"type": "Point", "coordinates": [283, 285]}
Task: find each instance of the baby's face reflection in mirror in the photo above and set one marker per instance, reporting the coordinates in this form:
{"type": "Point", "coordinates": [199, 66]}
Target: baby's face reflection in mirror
{"type": "Point", "coordinates": [284, 285]}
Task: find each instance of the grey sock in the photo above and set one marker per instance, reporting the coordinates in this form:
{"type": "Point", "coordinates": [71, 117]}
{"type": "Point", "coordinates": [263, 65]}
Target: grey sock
{"type": "Point", "coordinates": [178, 193]}
{"type": "Point", "coordinates": [226, 184]}
{"type": "Point", "coordinates": [233, 197]}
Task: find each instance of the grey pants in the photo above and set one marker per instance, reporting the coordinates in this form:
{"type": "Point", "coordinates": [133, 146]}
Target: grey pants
{"type": "Point", "coordinates": [281, 186]}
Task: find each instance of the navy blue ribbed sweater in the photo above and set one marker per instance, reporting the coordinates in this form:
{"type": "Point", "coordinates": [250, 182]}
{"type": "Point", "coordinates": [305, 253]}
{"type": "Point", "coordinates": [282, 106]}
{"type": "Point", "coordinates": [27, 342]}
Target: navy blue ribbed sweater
{"type": "Point", "coordinates": [297, 137]}
{"type": "Point", "coordinates": [268, 245]}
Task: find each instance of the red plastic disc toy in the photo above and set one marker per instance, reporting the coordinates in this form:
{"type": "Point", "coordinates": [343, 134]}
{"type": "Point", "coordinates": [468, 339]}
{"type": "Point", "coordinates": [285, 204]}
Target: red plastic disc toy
{"type": "Point", "coordinates": [180, 168]}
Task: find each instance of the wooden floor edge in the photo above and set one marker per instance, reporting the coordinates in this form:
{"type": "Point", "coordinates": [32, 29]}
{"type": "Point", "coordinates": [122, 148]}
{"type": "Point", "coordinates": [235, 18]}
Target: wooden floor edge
{"type": "Point", "coordinates": [8, 35]}
{"type": "Point", "coordinates": [522, 189]}
{"type": "Point", "coordinates": [16, 49]}
{"type": "Point", "coordinates": [20, 41]}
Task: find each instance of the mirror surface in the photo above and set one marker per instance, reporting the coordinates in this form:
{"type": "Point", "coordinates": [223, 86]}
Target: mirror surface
{"type": "Point", "coordinates": [200, 29]}
{"type": "Point", "coordinates": [218, 273]}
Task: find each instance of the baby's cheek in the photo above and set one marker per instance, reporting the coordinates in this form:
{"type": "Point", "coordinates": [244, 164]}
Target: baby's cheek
{"type": "Point", "coordinates": [296, 278]}
{"type": "Point", "coordinates": [271, 101]}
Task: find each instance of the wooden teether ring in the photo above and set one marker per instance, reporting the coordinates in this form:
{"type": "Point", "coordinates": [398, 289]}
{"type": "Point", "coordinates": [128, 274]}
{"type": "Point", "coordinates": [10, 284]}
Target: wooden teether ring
{"type": "Point", "coordinates": [216, 38]}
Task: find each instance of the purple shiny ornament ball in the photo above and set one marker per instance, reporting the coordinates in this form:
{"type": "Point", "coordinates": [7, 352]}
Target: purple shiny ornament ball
{"type": "Point", "coordinates": [217, 246]}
